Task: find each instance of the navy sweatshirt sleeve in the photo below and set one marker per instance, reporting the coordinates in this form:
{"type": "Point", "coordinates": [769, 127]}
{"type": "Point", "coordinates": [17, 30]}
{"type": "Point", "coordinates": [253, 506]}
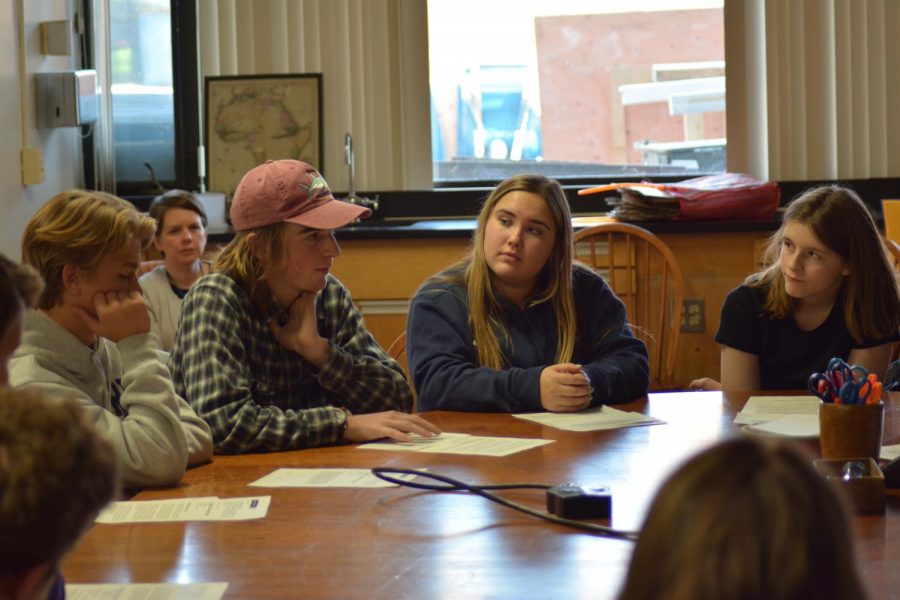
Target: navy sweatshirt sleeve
{"type": "Point", "coordinates": [444, 367]}
{"type": "Point", "coordinates": [615, 361]}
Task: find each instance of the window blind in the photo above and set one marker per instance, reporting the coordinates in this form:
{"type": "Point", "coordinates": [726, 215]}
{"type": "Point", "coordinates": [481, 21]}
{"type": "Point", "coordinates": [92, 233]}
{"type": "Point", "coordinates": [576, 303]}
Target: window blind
{"type": "Point", "coordinates": [813, 88]}
{"type": "Point", "coordinates": [373, 56]}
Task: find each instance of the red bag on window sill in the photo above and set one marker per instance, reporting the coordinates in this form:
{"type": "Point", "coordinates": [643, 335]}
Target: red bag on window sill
{"type": "Point", "coordinates": [733, 196]}
{"type": "Point", "coordinates": [725, 196]}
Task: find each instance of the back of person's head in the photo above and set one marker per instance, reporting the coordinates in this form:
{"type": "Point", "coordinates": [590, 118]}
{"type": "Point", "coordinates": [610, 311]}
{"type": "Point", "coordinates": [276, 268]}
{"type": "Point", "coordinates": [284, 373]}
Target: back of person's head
{"type": "Point", "coordinates": [175, 199]}
{"type": "Point", "coordinates": [554, 281]}
{"type": "Point", "coordinates": [56, 474]}
{"type": "Point", "coordinates": [78, 228]}
{"type": "Point", "coordinates": [746, 519]}
{"type": "Point", "coordinates": [840, 220]}
{"type": "Point", "coordinates": [20, 287]}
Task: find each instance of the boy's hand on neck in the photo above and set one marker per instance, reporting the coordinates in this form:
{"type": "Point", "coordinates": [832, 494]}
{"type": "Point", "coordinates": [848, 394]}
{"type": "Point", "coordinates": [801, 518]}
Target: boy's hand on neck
{"type": "Point", "coordinates": [301, 333]}
{"type": "Point", "coordinates": [117, 315]}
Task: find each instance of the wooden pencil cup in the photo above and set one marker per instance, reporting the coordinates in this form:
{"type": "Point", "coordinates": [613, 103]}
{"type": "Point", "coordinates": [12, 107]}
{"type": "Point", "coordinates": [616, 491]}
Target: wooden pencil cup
{"type": "Point", "coordinates": [850, 430]}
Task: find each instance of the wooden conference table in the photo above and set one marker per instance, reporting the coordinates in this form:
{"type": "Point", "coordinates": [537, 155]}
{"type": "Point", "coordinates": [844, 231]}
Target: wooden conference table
{"type": "Point", "coordinates": [404, 543]}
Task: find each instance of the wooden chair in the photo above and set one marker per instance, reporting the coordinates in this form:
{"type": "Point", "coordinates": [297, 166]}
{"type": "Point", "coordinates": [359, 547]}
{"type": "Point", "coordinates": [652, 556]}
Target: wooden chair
{"type": "Point", "coordinates": [894, 256]}
{"type": "Point", "coordinates": [397, 351]}
{"type": "Point", "coordinates": [893, 253]}
{"type": "Point", "coordinates": [644, 273]}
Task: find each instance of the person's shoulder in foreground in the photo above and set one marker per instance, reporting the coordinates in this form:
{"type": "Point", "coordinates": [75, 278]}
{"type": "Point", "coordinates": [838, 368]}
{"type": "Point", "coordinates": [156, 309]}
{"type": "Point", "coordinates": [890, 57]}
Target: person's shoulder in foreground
{"type": "Point", "coordinates": [271, 351]}
{"type": "Point", "coordinates": [90, 336]}
{"type": "Point", "coordinates": [56, 474]}
{"type": "Point", "coordinates": [747, 518]}
{"type": "Point", "coordinates": [516, 326]}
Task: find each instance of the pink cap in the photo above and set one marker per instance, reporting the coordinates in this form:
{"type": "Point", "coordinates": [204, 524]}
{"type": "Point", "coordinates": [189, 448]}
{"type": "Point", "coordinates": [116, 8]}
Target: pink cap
{"type": "Point", "coordinates": [292, 191]}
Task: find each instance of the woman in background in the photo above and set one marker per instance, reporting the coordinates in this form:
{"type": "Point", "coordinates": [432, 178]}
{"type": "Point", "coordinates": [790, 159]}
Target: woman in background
{"type": "Point", "coordinates": [745, 519]}
{"type": "Point", "coordinates": [181, 240]}
{"type": "Point", "coordinates": [515, 326]}
{"type": "Point", "coordinates": [829, 292]}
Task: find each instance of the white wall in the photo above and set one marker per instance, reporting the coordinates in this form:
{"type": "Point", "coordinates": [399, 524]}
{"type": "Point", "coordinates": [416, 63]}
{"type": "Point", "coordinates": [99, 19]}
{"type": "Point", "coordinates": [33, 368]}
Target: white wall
{"type": "Point", "coordinates": [61, 148]}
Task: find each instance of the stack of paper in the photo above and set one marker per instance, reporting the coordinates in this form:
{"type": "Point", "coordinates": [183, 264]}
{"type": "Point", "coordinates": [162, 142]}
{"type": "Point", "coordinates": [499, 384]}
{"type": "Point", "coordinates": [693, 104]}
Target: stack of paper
{"type": "Point", "coordinates": [793, 416]}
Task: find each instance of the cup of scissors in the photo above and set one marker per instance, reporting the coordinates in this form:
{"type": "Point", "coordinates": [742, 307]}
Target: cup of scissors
{"type": "Point", "coordinates": [851, 416]}
{"type": "Point", "coordinates": [843, 384]}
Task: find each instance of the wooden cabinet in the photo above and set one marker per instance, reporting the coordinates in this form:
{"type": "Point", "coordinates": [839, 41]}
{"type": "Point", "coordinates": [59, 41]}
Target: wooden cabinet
{"type": "Point", "coordinates": [382, 274]}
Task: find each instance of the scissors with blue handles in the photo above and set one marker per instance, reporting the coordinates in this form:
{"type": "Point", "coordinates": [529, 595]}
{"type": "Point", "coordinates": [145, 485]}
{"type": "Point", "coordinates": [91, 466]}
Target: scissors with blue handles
{"type": "Point", "coordinates": [821, 386]}
{"type": "Point", "coordinates": [856, 392]}
{"type": "Point", "coordinates": [839, 372]}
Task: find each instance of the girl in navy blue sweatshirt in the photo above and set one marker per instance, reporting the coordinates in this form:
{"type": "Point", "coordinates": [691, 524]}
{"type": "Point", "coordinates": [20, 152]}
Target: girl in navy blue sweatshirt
{"type": "Point", "coordinates": [516, 326]}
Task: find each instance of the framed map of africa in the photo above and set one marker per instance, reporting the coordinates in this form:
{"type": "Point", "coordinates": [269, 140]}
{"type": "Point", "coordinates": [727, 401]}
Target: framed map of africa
{"type": "Point", "coordinates": [252, 119]}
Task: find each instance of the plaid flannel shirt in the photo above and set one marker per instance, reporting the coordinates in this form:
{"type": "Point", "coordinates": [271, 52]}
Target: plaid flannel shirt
{"type": "Point", "coordinates": [257, 395]}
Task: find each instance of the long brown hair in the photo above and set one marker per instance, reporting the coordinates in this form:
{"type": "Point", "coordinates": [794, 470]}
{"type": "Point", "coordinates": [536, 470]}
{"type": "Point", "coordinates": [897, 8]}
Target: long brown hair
{"type": "Point", "coordinates": [555, 280]}
{"type": "Point", "coordinates": [841, 221]}
{"type": "Point", "coordinates": [745, 519]}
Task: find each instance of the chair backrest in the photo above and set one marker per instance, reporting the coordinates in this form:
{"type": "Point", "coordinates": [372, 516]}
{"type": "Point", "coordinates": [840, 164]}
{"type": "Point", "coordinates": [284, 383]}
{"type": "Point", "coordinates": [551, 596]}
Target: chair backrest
{"type": "Point", "coordinates": [890, 209]}
{"type": "Point", "coordinates": [893, 253]}
{"type": "Point", "coordinates": [644, 273]}
{"type": "Point", "coordinates": [894, 256]}
{"type": "Point", "coordinates": [397, 351]}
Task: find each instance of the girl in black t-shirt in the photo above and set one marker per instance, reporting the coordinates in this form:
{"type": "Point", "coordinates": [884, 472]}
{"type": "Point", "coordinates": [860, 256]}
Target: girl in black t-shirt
{"type": "Point", "coordinates": [829, 290]}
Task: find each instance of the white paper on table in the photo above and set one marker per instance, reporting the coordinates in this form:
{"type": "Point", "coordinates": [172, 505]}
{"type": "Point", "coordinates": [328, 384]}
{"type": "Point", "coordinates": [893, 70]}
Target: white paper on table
{"type": "Point", "coordinates": [209, 508]}
{"type": "Point", "coordinates": [143, 591]}
{"type": "Point", "coordinates": [595, 419]}
{"type": "Point", "coordinates": [460, 443]}
{"type": "Point", "coordinates": [326, 478]}
{"type": "Point", "coordinates": [769, 408]}
{"type": "Point", "coordinates": [890, 452]}
{"type": "Point", "coordinates": [806, 426]}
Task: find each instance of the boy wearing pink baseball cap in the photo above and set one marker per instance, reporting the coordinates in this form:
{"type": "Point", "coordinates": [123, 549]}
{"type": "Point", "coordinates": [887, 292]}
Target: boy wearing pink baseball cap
{"type": "Point", "coordinates": [270, 349]}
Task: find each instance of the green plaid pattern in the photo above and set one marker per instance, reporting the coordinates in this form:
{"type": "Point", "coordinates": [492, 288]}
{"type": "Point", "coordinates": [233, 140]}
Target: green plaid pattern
{"type": "Point", "coordinates": [258, 396]}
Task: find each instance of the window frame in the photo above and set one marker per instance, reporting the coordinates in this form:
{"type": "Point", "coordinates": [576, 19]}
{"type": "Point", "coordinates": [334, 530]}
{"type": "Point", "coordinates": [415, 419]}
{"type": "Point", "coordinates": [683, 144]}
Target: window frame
{"type": "Point", "coordinates": [442, 200]}
{"type": "Point", "coordinates": [183, 15]}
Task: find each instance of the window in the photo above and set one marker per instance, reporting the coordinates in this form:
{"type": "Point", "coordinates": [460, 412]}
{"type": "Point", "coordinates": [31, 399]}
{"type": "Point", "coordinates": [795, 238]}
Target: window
{"type": "Point", "coordinates": [143, 115]}
{"type": "Point", "coordinates": [576, 88]}
{"type": "Point", "coordinates": [151, 76]}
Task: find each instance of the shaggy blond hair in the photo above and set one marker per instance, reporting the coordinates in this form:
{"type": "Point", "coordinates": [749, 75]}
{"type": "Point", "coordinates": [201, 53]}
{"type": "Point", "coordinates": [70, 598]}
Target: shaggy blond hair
{"type": "Point", "coordinates": [240, 260]}
{"type": "Point", "coordinates": [78, 227]}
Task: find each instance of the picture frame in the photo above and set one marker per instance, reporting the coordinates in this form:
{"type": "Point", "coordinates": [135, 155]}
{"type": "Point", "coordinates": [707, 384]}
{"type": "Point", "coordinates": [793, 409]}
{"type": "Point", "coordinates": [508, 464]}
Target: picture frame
{"type": "Point", "coordinates": [254, 118]}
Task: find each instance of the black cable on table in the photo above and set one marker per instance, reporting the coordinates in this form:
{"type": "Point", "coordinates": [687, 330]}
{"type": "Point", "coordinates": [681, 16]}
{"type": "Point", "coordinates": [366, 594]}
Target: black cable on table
{"type": "Point", "coordinates": [454, 485]}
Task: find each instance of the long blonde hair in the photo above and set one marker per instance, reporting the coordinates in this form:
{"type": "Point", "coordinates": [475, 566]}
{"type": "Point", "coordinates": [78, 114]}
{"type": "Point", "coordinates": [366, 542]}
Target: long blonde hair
{"type": "Point", "coordinates": [554, 282]}
{"type": "Point", "coordinates": [841, 221]}
{"type": "Point", "coordinates": [240, 260]}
